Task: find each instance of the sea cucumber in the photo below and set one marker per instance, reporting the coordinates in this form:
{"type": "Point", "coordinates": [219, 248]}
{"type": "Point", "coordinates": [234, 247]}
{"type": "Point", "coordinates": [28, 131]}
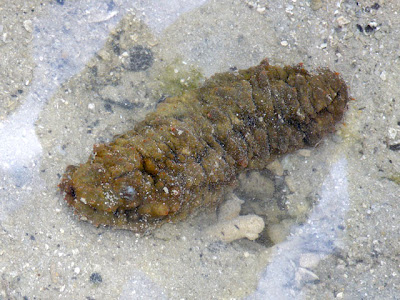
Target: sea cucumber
{"type": "Point", "coordinates": [183, 155]}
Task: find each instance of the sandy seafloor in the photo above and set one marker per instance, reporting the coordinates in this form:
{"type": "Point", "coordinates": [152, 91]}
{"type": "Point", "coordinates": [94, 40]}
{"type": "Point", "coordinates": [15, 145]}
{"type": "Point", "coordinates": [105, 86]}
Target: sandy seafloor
{"type": "Point", "coordinates": [65, 85]}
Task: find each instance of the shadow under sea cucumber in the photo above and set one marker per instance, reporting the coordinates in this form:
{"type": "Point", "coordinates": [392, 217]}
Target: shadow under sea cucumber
{"type": "Point", "coordinates": [182, 156]}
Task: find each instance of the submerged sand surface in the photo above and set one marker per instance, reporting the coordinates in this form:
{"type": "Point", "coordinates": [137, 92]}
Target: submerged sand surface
{"type": "Point", "coordinates": [331, 211]}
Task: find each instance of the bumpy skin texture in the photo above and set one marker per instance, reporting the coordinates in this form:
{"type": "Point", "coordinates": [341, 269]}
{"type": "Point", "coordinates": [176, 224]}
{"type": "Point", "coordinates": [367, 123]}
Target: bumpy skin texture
{"type": "Point", "coordinates": [183, 155]}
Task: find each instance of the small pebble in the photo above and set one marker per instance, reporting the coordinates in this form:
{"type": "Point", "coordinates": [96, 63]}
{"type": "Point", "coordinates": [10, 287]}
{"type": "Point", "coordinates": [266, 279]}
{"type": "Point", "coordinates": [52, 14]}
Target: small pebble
{"type": "Point", "coordinates": [304, 152]}
{"type": "Point", "coordinates": [96, 278]}
{"type": "Point", "coordinates": [260, 9]}
{"type": "Point", "coordinates": [342, 21]}
{"type": "Point", "coordinates": [284, 43]}
{"type": "Point", "coordinates": [104, 55]}
{"type": "Point", "coordinates": [392, 132]}
{"type": "Point", "coordinates": [316, 4]}
{"type": "Point", "coordinates": [339, 295]}
{"type": "Point", "coordinates": [28, 25]}
{"type": "Point", "coordinates": [383, 76]}
{"type": "Point", "coordinates": [290, 183]}
{"type": "Point", "coordinates": [276, 168]}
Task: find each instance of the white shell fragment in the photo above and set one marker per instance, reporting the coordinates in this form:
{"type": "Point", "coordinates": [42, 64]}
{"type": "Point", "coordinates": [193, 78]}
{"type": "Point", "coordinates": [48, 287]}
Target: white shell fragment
{"type": "Point", "coordinates": [248, 227]}
{"type": "Point", "coordinates": [233, 227]}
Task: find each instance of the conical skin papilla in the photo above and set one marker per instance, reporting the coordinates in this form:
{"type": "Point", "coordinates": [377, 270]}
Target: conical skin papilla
{"type": "Point", "coordinates": [183, 155]}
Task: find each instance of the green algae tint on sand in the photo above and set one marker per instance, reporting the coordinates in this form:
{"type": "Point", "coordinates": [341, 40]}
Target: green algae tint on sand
{"type": "Point", "coordinates": [183, 156]}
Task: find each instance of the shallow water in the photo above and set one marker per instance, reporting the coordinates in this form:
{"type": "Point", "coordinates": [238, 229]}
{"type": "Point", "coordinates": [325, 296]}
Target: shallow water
{"type": "Point", "coordinates": [347, 247]}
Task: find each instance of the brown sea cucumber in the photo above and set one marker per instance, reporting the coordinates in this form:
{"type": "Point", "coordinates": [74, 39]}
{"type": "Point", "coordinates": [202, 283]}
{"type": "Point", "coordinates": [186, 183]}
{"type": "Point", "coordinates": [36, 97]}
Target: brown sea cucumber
{"type": "Point", "coordinates": [182, 156]}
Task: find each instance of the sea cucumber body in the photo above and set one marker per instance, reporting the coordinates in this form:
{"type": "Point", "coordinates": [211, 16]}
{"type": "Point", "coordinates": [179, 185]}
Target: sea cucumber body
{"type": "Point", "coordinates": [183, 155]}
